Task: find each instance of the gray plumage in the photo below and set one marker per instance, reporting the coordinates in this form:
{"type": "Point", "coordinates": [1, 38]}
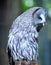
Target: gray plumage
{"type": "Point", "coordinates": [23, 34]}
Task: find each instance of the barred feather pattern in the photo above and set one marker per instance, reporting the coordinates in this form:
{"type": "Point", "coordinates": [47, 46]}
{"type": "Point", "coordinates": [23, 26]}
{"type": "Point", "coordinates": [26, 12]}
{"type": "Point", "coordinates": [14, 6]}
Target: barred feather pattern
{"type": "Point", "coordinates": [22, 37]}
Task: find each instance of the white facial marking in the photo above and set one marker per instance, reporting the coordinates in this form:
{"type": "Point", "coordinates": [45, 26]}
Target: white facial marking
{"type": "Point", "coordinates": [43, 19]}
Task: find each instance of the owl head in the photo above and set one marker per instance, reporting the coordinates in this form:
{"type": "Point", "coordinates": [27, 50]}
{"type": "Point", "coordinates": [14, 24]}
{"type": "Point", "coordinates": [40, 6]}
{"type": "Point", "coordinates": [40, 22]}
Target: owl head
{"type": "Point", "coordinates": [40, 15]}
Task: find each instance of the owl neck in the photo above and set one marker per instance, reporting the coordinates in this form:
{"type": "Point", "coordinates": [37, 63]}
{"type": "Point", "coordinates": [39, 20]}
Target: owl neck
{"type": "Point", "coordinates": [39, 27]}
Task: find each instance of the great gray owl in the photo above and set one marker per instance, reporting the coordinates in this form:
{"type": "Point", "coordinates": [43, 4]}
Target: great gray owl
{"type": "Point", "coordinates": [23, 35]}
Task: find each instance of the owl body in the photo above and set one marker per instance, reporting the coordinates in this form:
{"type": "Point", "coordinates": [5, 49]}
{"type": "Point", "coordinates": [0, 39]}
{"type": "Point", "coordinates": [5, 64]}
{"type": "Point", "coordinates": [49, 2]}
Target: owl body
{"type": "Point", "coordinates": [23, 35]}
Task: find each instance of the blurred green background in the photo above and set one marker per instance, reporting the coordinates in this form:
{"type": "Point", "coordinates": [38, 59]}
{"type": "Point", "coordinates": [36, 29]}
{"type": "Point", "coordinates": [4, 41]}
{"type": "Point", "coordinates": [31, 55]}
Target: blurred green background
{"type": "Point", "coordinates": [9, 10]}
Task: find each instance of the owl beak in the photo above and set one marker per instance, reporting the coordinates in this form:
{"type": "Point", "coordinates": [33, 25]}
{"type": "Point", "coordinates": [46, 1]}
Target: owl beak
{"type": "Point", "coordinates": [44, 23]}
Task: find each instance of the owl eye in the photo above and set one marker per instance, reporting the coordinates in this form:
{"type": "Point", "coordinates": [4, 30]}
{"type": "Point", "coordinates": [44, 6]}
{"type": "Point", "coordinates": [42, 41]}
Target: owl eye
{"type": "Point", "coordinates": [39, 18]}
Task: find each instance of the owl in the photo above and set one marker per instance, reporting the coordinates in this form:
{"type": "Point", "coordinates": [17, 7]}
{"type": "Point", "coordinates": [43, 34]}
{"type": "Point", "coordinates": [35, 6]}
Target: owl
{"type": "Point", "coordinates": [22, 47]}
